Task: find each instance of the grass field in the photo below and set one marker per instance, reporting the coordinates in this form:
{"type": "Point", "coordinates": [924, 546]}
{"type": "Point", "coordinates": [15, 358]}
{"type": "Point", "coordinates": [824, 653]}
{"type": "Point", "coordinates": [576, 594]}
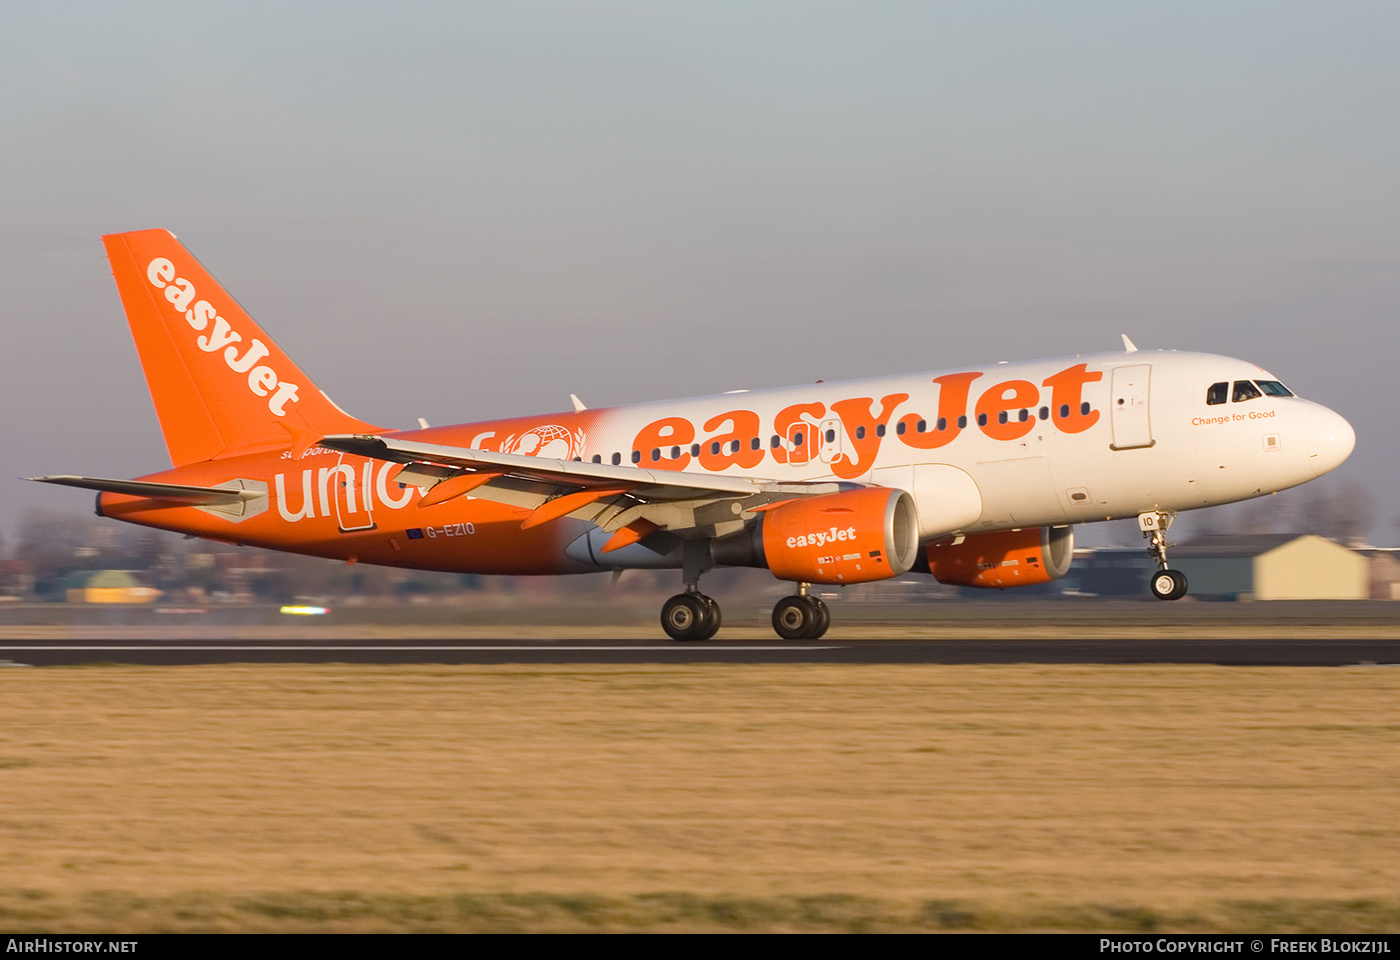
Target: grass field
{"type": "Point", "coordinates": [702, 797]}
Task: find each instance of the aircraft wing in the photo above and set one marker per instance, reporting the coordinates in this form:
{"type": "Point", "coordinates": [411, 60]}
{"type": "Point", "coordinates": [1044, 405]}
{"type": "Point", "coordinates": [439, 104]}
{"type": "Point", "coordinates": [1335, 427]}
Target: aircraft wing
{"type": "Point", "coordinates": [617, 498]}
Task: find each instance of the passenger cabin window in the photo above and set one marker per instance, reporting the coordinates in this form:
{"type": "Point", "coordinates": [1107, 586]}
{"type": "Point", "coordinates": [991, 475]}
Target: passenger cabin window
{"type": "Point", "coordinates": [1217, 392]}
{"type": "Point", "coordinates": [1273, 388]}
{"type": "Point", "coordinates": [1245, 390]}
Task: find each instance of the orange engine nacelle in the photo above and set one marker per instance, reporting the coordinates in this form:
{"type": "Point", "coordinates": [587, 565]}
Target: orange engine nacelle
{"type": "Point", "coordinates": [1006, 558]}
{"type": "Point", "coordinates": [850, 537]}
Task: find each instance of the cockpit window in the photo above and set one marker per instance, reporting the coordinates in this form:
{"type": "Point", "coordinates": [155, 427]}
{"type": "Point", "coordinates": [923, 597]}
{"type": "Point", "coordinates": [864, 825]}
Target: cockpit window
{"type": "Point", "coordinates": [1245, 390]}
{"type": "Point", "coordinates": [1218, 392]}
{"type": "Point", "coordinates": [1273, 388]}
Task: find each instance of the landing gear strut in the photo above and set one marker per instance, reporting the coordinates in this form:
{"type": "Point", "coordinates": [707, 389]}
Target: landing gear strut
{"type": "Point", "coordinates": [801, 616]}
{"type": "Point", "coordinates": [1166, 584]}
{"type": "Point", "coordinates": [691, 615]}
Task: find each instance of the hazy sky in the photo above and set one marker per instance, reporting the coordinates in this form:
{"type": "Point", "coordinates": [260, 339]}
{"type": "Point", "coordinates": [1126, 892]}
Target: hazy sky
{"type": "Point", "coordinates": [462, 211]}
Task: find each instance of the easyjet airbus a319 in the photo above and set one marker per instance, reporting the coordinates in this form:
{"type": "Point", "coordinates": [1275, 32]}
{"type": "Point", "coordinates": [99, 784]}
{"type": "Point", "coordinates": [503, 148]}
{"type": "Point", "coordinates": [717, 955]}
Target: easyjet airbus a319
{"type": "Point", "coordinates": [974, 476]}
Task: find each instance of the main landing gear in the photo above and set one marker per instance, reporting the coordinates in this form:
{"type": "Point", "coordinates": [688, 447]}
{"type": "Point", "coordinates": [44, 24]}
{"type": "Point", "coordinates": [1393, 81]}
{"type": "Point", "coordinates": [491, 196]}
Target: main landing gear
{"type": "Point", "coordinates": [801, 616]}
{"type": "Point", "coordinates": [1166, 584]}
{"type": "Point", "coordinates": [690, 616]}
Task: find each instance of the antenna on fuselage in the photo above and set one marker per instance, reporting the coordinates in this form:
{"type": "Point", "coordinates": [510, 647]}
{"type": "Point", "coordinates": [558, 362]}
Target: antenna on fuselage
{"type": "Point", "coordinates": [578, 404]}
{"type": "Point", "coordinates": [1128, 345]}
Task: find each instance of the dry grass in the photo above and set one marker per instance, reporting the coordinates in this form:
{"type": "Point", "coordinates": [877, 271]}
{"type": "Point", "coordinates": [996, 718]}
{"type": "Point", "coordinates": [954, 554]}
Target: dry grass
{"type": "Point", "coordinates": [699, 797]}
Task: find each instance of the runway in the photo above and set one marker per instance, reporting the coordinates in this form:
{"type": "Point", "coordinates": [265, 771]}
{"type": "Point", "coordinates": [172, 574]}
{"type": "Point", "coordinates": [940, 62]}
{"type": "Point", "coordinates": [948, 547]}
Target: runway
{"type": "Point", "coordinates": [1216, 651]}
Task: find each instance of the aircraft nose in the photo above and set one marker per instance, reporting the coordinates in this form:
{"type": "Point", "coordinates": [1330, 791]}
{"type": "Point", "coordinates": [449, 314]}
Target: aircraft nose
{"type": "Point", "coordinates": [1332, 440]}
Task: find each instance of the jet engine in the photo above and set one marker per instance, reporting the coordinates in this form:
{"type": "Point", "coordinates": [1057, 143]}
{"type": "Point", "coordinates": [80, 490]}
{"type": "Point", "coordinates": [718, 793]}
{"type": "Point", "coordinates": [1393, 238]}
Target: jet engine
{"type": "Point", "coordinates": [1004, 558]}
{"type": "Point", "coordinates": [850, 537]}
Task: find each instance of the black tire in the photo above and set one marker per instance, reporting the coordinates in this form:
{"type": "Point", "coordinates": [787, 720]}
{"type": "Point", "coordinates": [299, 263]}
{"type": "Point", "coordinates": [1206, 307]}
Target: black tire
{"type": "Point", "coordinates": [1180, 590]}
{"type": "Point", "coordinates": [685, 617]}
{"type": "Point", "coordinates": [1168, 584]}
{"type": "Point", "coordinates": [796, 618]}
{"type": "Point", "coordinates": [823, 619]}
{"type": "Point", "coordinates": [713, 617]}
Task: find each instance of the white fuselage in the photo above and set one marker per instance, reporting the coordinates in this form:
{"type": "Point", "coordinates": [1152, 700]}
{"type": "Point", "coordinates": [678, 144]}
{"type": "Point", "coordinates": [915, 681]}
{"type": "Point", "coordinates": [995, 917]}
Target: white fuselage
{"type": "Point", "coordinates": [1140, 437]}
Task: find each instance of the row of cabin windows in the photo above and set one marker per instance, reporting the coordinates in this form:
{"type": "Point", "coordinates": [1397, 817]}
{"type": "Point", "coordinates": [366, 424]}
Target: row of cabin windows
{"type": "Point", "coordinates": [798, 439]}
{"type": "Point", "coordinates": [1245, 390]}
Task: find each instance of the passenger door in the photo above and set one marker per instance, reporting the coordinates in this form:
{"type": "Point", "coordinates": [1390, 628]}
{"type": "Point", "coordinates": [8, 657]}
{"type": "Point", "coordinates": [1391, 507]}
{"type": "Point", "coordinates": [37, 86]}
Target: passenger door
{"type": "Point", "coordinates": [1132, 427]}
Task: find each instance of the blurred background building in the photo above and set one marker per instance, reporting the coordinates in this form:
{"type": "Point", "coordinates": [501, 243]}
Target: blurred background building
{"type": "Point", "coordinates": [62, 558]}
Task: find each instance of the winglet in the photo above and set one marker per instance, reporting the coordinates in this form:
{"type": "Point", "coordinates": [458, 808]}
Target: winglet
{"type": "Point", "coordinates": [1128, 345]}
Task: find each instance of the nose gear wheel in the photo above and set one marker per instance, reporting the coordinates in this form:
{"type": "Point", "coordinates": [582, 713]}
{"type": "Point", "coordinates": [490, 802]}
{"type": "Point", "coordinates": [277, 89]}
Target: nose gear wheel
{"type": "Point", "coordinates": [1168, 584]}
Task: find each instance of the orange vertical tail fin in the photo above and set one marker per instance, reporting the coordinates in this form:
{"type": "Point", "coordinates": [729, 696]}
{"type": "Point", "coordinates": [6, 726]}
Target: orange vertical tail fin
{"type": "Point", "coordinates": [219, 383]}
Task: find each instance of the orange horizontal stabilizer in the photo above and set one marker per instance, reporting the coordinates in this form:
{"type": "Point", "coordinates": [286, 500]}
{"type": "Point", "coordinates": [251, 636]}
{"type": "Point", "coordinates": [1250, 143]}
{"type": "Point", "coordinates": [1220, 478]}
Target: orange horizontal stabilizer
{"type": "Point", "coordinates": [457, 486]}
{"type": "Point", "coordinates": [630, 534]}
{"type": "Point", "coordinates": [562, 506]}
{"type": "Point", "coordinates": [174, 492]}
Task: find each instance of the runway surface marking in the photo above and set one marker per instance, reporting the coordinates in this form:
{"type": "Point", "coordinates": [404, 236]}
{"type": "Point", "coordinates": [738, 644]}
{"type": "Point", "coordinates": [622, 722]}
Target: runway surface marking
{"type": "Point", "coordinates": [321, 648]}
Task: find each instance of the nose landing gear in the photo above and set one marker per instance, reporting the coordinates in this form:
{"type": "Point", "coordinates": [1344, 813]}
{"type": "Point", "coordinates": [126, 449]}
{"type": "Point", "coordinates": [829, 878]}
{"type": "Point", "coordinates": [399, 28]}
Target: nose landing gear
{"type": "Point", "coordinates": [1166, 584]}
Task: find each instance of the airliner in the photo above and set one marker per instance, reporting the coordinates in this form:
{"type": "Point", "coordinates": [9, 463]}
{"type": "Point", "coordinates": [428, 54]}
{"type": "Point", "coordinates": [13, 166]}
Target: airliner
{"type": "Point", "coordinates": [975, 476]}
